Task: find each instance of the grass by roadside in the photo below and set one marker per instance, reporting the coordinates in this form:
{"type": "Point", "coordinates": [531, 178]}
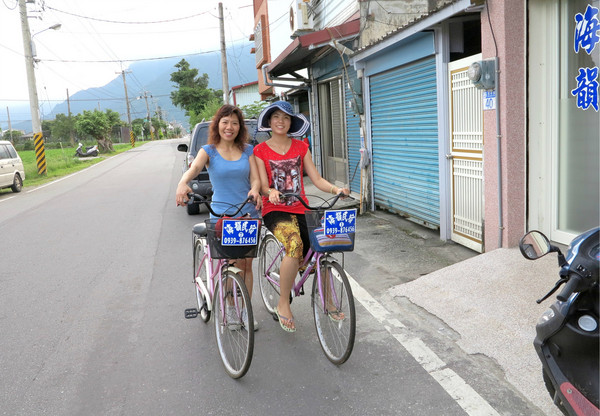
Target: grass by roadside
{"type": "Point", "coordinates": [60, 162]}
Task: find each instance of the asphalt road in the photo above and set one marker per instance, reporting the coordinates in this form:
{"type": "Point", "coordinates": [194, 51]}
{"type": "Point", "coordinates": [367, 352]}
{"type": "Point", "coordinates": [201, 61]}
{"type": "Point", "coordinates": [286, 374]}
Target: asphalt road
{"type": "Point", "coordinates": [95, 276]}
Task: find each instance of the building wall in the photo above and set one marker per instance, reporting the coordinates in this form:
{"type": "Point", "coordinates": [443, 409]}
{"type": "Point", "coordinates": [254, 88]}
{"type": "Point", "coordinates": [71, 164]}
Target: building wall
{"type": "Point", "coordinates": [508, 24]}
{"type": "Point", "coordinates": [330, 13]}
{"type": "Point", "coordinates": [262, 36]}
{"type": "Point", "coordinates": [248, 94]}
{"type": "Point", "coordinates": [394, 13]}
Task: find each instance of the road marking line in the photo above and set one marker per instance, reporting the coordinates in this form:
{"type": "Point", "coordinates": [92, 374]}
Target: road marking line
{"type": "Point", "coordinates": [455, 386]}
{"type": "Point", "coordinates": [64, 177]}
{"type": "Point", "coordinates": [6, 199]}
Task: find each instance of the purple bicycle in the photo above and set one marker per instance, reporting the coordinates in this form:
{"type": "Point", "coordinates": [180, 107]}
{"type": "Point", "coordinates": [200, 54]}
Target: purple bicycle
{"type": "Point", "coordinates": [332, 301]}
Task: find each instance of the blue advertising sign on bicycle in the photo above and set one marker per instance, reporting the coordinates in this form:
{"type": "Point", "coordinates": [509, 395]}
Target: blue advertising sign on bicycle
{"type": "Point", "coordinates": [341, 221]}
{"type": "Point", "coordinates": [240, 233]}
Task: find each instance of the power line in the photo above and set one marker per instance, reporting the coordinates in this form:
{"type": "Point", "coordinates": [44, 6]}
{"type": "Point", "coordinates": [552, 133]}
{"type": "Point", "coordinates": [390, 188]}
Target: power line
{"type": "Point", "coordinates": [126, 60]}
{"type": "Point", "coordinates": [128, 23]}
{"type": "Point", "coordinates": [87, 99]}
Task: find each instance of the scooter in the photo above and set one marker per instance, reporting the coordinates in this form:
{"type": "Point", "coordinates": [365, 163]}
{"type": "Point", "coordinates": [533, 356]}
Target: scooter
{"type": "Point", "coordinates": [90, 151]}
{"type": "Point", "coordinates": [567, 334]}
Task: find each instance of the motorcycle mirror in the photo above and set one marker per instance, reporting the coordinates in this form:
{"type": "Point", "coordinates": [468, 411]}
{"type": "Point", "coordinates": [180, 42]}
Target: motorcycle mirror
{"type": "Point", "coordinates": [534, 245]}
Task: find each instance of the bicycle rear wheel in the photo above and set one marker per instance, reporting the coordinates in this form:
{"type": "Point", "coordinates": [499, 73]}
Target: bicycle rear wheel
{"type": "Point", "coordinates": [235, 339]}
{"type": "Point", "coordinates": [270, 256]}
{"type": "Point", "coordinates": [333, 310]}
{"type": "Point", "coordinates": [201, 273]}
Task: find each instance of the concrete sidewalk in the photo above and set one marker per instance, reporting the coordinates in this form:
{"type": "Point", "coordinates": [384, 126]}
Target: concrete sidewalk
{"type": "Point", "coordinates": [486, 300]}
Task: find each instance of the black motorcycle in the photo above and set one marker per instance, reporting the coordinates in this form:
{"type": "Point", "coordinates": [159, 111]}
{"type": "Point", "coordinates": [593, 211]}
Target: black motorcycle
{"type": "Point", "coordinates": [567, 334]}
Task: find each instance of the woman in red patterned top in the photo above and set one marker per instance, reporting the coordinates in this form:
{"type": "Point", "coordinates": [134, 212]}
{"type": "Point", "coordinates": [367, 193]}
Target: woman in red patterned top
{"type": "Point", "coordinates": [281, 162]}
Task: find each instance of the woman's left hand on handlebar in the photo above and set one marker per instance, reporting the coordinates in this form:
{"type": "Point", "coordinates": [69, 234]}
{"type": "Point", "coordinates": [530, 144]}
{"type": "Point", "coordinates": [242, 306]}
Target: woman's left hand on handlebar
{"type": "Point", "coordinates": [344, 191]}
{"type": "Point", "coordinates": [257, 199]}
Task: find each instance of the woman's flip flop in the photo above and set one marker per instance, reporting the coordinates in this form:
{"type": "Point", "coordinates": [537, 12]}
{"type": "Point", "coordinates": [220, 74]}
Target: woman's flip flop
{"type": "Point", "coordinates": [282, 318]}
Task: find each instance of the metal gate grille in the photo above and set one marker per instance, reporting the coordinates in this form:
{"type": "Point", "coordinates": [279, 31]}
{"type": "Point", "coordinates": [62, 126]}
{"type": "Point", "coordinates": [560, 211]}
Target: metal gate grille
{"type": "Point", "coordinates": [467, 158]}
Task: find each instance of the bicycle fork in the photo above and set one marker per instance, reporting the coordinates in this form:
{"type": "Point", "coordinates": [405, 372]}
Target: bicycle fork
{"type": "Point", "coordinates": [225, 291]}
{"type": "Point", "coordinates": [326, 287]}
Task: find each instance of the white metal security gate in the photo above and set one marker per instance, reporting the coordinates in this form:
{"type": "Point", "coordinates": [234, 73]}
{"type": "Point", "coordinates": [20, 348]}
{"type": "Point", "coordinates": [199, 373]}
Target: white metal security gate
{"type": "Point", "coordinates": [466, 164]}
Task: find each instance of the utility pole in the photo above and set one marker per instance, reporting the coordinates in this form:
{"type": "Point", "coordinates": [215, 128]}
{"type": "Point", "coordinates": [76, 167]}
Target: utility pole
{"type": "Point", "coordinates": [126, 96]}
{"type": "Point", "coordinates": [33, 97]}
{"type": "Point", "coordinates": [148, 112]}
{"type": "Point", "coordinates": [9, 126]}
{"type": "Point", "coordinates": [223, 57]}
{"type": "Point", "coordinates": [36, 124]}
{"type": "Point", "coordinates": [131, 135]}
{"type": "Point", "coordinates": [70, 120]}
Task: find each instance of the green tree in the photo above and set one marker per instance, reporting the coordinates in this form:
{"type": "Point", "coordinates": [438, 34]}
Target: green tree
{"type": "Point", "coordinates": [138, 127]}
{"type": "Point", "coordinates": [63, 128]}
{"type": "Point", "coordinates": [206, 113]}
{"type": "Point", "coordinates": [192, 92]}
{"type": "Point", "coordinates": [47, 129]}
{"type": "Point", "coordinates": [114, 119]}
{"type": "Point", "coordinates": [12, 135]}
{"type": "Point", "coordinates": [253, 110]}
{"type": "Point", "coordinates": [97, 125]}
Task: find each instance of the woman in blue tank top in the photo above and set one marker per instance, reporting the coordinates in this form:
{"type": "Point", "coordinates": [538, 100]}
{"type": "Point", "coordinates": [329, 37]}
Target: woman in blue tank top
{"type": "Point", "coordinates": [233, 173]}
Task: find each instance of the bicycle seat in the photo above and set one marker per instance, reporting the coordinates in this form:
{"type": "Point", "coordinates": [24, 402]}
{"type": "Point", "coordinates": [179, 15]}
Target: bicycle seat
{"type": "Point", "coordinates": [200, 229]}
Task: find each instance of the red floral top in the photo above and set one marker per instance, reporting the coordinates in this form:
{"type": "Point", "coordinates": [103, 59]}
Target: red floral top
{"type": "Point", "coordinates": [285, 173]}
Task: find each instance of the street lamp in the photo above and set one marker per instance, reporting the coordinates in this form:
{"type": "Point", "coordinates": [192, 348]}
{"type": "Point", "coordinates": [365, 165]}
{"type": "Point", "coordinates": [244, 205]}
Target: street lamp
{"type": "Point", "coordinates": [36, 123]}
{"type": "Point", "coordinates": [55, 26]}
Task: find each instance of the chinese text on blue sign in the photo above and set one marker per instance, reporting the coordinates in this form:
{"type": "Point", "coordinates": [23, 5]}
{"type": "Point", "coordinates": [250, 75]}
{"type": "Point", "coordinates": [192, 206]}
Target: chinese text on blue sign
{"type": "Point", "coordinates": [586, 36]}
{"type": "Point", "coordinates": [240, 233]}
{"type": "Point", "coordinates": [340, 222]}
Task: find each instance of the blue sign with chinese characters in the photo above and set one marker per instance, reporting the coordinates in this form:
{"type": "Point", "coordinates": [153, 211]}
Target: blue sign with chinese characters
{"type": "Point", "coordinates": [341, 221]}
{"type": "Point", "coordinates": [586, 38]}
{"type": "Point", "coordinates": [240, 233]}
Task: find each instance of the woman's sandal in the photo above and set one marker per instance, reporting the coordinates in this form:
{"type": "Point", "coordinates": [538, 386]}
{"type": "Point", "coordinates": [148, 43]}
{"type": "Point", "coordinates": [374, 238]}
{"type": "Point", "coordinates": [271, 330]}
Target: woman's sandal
{"type": "Point", "coordinates": [336, 315]}
{"type": "Point", "coordinates": [284, 327]}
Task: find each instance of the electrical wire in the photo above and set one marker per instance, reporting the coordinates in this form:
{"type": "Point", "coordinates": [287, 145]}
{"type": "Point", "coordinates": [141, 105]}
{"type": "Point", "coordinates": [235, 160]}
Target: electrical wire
{"type": "Point", "coordinates": [128, 60]}
{"type": "Point", "coordinates": [128, 23]}
{"type": "Point", "coordinates": [11, 8]}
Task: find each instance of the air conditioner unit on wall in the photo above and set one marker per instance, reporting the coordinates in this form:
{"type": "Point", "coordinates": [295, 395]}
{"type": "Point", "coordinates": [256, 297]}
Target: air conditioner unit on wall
{"type": "Point", "coordinates": [301, 20]}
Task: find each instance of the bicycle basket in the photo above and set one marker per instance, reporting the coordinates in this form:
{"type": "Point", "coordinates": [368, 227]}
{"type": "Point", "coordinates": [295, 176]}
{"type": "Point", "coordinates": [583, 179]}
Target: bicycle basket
{"type": "Point", "coordinates": [321, 242]}
{"type": "Point", "coordinates": [219, 250]}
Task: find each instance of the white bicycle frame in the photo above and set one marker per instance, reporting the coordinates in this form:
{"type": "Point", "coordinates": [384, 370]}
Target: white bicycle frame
{"type": "Point", "coordinates": [211, 273]}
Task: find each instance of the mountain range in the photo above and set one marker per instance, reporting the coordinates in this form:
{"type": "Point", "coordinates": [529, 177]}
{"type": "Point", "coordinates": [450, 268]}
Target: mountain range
{"type": "Point", "coordinates": [151, 80]}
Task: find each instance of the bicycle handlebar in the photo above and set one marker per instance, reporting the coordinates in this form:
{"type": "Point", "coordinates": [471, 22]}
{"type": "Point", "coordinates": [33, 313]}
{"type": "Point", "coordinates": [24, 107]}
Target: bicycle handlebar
{"type": "Point", "coordinates": [330, 203]}
{"type": "Point", "coordinates": [196, 198]}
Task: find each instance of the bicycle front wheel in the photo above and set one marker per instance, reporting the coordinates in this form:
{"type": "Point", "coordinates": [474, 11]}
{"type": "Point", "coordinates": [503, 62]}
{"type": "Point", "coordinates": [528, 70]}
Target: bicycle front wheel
{"type": "Point", "coordinates": [270, 255]}
{"type": "Point", "coordinates": [201, 274]}
{"type": "Point", "coordinates": [333, 310]}
{"type": "Point", "coordinates": [234, 324]}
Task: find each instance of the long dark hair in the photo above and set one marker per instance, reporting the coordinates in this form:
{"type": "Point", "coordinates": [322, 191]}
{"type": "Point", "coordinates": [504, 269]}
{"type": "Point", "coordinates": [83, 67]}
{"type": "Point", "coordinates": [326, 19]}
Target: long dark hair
{"type": "Point", "coordinates": [225, 111]}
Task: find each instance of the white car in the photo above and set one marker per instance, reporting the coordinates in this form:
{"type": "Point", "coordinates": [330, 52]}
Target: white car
{"type": "Point", "coordinates": [12, 172]}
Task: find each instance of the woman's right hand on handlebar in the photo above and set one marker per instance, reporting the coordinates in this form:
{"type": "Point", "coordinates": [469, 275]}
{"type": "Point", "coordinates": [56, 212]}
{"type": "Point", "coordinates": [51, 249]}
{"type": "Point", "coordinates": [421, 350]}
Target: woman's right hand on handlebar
{"type": "Point", "coordinates": [181, 195]}
{"type": "Point", "coordinates": [274, 196]}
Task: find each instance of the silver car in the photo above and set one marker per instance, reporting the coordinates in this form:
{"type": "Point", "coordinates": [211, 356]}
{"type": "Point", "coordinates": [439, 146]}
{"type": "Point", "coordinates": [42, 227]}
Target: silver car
{"type": "Point", "coordinates": [12, 172]}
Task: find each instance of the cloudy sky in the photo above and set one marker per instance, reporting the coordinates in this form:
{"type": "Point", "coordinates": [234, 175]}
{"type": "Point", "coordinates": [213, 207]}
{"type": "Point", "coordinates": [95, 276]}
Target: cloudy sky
{"type": "Point", "coordinates": [98, 39]}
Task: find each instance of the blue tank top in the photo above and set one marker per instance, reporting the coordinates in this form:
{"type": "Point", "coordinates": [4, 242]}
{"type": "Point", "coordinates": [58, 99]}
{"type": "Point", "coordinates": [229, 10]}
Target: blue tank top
{"type": "Point", "coordinates": [230, 180]}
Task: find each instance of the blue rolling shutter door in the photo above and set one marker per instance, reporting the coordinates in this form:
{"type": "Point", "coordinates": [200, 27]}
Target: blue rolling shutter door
{"type": "Point", "coordinates": [405, 141]}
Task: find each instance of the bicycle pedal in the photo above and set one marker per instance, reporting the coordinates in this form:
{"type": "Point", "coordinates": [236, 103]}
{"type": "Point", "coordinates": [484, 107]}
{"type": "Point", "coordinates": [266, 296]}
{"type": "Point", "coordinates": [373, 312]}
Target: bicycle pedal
{"type": "Point", "coordinates": [191, 313]}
